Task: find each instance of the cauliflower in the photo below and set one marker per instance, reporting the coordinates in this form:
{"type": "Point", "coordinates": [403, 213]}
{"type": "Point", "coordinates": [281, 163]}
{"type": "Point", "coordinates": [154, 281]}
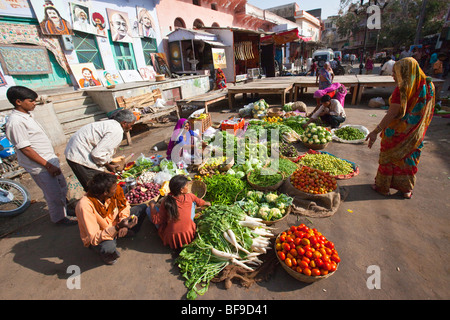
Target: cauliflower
{"type": "Point", "coordinates": [271, 197]}
{"type": "Point", "coordinates": [275, 213]}
{"type": "Point", "coordinates": [263, 212]}
{"type": "Point", "coordinates": [281, 205]}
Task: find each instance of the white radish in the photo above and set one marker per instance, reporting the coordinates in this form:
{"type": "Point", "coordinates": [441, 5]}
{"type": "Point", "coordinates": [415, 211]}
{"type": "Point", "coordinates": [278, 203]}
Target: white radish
{"type": "Point", "coordinates": [248, 218]}
{"type": "Point", "coordinates": [223, 255]}
{"type": "Point", "coordinates": [240, 264]}
{"type": "Point", "coordinates": [231, 237]}
{"type": "Point", "coordinates": [262, 232]}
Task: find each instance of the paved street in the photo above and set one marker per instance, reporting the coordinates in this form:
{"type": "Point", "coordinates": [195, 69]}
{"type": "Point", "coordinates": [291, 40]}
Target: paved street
{"type": "Point", "coordinates": [407, 240]}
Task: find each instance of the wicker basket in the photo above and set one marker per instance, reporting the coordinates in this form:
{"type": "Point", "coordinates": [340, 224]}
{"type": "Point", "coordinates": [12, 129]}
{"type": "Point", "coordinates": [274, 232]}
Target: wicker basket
{"type": "Point", "coordinates": [225, 167]}
{"type": "Point", "coordinates": [275, 112]}
{"type": "Point", "coordinates": [268, 188]}
{"type": "Point", "coordinates": [314, 146]}
{"type": "Point", "coordinates": [300, 276]}
{"type": "Point", "coordinates": [198, 188]}
{"type": "Point", "coordinates": [205, 123]}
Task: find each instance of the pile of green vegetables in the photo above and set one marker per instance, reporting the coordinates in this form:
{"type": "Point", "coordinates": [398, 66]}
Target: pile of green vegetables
{"type": "Point", "coordinates": [265, 177]}
{"type": "Point", "coordinates": [349, 133]}
{"type": "Point", "coordinates": [224, 188]}
{"type": "Point", "coordinates": [269, 206]}
{"type": "Point", "coordinates": [287, 167]}
{"type": "Point", "coordinates": [296, 123]}
{"type": "Point", "coordinates": [225, 235]}
{"type": "Point", "coordinates": [288, 150]}
{"type": "Point", "coordinates": [327, 163]}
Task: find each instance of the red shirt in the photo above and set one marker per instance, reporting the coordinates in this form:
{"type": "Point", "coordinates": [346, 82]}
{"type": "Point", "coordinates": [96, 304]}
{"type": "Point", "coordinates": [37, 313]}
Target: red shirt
{"type": "Point", "coordinates": [180, 232]}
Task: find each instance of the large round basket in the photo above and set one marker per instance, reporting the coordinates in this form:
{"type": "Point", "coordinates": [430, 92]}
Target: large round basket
{"type": "Point", "coordinates": [265, 188]}
{"type": "Point", "coordinates": [316, 146]}
{"type": "Point", "coordinates": [275, 112]}
{"type": "Point", "coordinates": [226, 166]}
{"type": "Point", "coordinates": [198, 188]}
{"type": "Point", "coordinates": [269, 223]}
{"type": "Point", "coordinates": [300, 276]}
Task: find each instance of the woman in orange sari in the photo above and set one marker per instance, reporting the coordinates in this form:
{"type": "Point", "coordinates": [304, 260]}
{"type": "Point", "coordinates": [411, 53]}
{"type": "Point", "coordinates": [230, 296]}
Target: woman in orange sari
{"type": "Point", "coordinates": [403, 128]}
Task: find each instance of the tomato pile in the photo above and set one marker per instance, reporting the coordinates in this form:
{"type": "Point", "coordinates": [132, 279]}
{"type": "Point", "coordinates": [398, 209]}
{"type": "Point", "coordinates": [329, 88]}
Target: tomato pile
{"type": "Point", "coordinates": [313, 181]}
{"type": "Point", "coordinates": [307, 251]}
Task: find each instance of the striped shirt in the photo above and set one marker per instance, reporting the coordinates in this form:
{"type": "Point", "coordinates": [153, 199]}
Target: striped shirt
{"type": "Point", "coordinates": [94, 144]}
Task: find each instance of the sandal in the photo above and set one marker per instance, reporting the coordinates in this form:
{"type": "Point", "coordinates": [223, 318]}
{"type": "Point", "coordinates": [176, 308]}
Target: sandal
{"type": "Point", "coordinates": [408, 195]}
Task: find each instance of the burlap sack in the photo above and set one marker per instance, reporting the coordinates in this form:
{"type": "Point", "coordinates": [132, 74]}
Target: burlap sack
{"type": "Point", "coordinates": [312, 205]}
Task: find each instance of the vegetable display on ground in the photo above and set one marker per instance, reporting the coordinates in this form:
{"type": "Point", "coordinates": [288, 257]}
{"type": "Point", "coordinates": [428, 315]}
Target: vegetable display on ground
{"type": "Point", "coordinates": [315, 134]}
{"type": "Point", "coordinates": [349, 133]}
{"type": "Point", "coordinates": [327, 163]}
{"type": "Point", "coordinates": [307, 251]}
{"type": "Point", "coordinates": [143, 192]}
{"type": "Point", "coordinates": [265, 177]}
{"type": "Point", "coordinates": [223, 189]}
{"type": "Point", "coordinates": [313, 181]}
{"type": "Point", "coordinates": [267, 206]}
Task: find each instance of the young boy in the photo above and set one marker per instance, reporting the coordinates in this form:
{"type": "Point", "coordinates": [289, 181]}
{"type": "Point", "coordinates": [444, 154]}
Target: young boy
{"type": "Point", "coordinates": [330, 111]}
{"type": "Point", "coordinates": [438, 67]}
{"type": "Point", "coordinates": [35, 153]}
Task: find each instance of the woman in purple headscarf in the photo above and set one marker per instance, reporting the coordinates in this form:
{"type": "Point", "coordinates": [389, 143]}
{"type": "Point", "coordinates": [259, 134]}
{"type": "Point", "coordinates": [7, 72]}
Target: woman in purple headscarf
{"type": "Point", "coordinates": [182, 134]}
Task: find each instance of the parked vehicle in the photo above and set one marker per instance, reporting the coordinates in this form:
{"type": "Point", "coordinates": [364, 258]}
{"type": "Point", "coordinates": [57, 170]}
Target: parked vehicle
{"type": "Point", "coordinates": [322, 56]}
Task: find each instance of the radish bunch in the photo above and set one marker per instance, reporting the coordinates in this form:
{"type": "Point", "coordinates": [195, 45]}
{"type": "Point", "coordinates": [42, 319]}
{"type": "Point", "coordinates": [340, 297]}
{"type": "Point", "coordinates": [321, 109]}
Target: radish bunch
{"type": "Point", "coordinates": [143, 192]}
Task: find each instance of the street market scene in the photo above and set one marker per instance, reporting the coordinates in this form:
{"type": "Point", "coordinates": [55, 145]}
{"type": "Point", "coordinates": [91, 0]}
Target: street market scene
{"type": "Point", "coordinates": [227, 150]}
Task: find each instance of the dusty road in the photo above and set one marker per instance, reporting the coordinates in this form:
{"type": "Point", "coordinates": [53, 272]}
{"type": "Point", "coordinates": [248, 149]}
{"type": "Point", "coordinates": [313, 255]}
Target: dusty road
{"type": "Point", "coordinates": [405, 240]}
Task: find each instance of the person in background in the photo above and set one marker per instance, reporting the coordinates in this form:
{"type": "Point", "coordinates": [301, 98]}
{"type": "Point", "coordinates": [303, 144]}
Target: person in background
{"type": "Point", "coordinates": [104, 215]}
{"type": "Point", "coordinates": [330, 112]}
{"type": "Point", "coordinates": [369, 65]}
{"type": "Point", "coordinates": [386, 69]}
{"type": "Point", "coordinates": [182, 142]}
{"type": "Point", "coordinates": [174, 219]}
{"type": "Point", "coordinates": [35, 153]}
{"type": "Point", "coordinates": [438, 66]}
{"type": "Point", "coordinates": [90, 149]}
{"type": "Point", "coordinates": [403, 129]}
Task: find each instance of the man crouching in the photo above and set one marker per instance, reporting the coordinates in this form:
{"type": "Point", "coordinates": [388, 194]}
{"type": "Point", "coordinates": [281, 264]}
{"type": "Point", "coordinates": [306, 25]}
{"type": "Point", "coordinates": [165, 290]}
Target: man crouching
{"type": "Point", "coordinates": [104, 215]}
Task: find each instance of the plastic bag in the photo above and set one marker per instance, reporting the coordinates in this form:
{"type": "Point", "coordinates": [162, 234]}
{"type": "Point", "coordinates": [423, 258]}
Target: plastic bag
{"type": "Point", "coordinates": [377, 102]}
{"type": "Point", "coordinates": [162, 176]}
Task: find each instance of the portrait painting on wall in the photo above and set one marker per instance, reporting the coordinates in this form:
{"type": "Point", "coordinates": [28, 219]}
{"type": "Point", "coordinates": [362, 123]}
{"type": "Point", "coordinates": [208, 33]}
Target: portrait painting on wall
{"type": "Point", "coordinates": [175, 56]}
{"type": "Point", "coordinates": [81, 18]}
{"type": "Point", "coordinates": [99, 24]}
{"type": "Point", "coordinates": [159, 61]}
{"type": "Point", "coordinates": [146, 23]}
{"type": "Point", "coordinates": [109, 77]}
{"type": "Point", "coordinates": [52, 16]}
{"type": "Point", "coordinates": [119, 25]}
{"type": "Point", "coordinates": [86, 75]}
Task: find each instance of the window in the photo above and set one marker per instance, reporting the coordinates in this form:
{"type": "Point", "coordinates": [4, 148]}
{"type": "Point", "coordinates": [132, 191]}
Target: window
{"type": "Point", "coordinates": [179, 23]}
{"type": "Point", "coordinates": [123, 54]}
{"type": "Point", "coordinates": [214, 6]}
{"type": "Point", "coordinates": [196, 2]}
{"type": "Point", "coordinates": [86, 49]}
{"type": "Point", "coordinates": [198, 24]}
{"type": "Point", "coordinates": [149, 47]}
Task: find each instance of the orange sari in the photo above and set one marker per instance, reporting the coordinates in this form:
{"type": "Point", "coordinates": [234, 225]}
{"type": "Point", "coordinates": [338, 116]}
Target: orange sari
{"type": "Point", "coordinates": [402, 140]}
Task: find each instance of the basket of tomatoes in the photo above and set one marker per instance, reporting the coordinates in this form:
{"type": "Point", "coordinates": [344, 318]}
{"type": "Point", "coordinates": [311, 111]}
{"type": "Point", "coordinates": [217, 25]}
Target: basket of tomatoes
{"type": "Point", "coordinates": [312, 181]}
{"type": "Point", "coordinates": [306, 254]}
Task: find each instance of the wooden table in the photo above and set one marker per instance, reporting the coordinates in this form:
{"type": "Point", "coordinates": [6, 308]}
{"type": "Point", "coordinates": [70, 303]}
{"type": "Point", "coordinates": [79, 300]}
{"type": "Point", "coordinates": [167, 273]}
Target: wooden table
{"type": "Point", "coordinates": [260, 87]}
{"type": "Point", "coordinates": [387, 81]}
{"type": "Point", "coordinates": [205, 99]}
{"type": "Point", "coordinates": [349, 81]}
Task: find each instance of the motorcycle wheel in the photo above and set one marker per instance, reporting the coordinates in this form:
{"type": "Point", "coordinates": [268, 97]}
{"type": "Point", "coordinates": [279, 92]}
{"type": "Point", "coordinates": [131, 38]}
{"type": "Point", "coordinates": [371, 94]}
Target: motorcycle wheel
{"type": "Point", "coordinates": [14, 198]}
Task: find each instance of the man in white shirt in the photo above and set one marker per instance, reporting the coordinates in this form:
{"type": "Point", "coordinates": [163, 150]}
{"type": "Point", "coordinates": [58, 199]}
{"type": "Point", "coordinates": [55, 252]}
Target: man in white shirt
{"type": "Point", "coordinates": [35, 153]}
{"type": "Point", "coordinates": [90, 150]}
{"type": "Point", "coordinates": [330, 111]}
{"type": "Point", "coordinates": [388, 66]}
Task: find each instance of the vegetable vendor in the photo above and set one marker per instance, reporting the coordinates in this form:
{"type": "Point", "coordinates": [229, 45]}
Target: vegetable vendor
{"type": "Point", "coordinates": [104, 215]}
{"type": "Point", "coordinates": [175, 217]}
{"type": "Point", "coordinates": [182, 142]}
{"type": "Point", "coordinates": [331, 112]}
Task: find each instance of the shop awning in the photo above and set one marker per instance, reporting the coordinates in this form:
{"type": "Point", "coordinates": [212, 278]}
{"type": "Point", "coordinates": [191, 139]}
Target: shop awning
{"type": "Point", "coordinates": [284, 37]}
{"type": "Point", "coordinates": [215, 43]}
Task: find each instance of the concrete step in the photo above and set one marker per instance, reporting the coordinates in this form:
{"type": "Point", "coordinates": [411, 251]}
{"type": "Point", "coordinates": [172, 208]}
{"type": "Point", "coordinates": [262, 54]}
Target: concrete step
{"type": "Point", "coordinates": [77, 111]}
{"type": "Point", "coordinates": [64, 95]}
{"type": "Point", "coordinates": [71, 102]}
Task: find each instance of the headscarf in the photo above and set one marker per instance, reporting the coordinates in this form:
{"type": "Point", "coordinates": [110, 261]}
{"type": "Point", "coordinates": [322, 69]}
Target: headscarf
{"type": "Point", "coordinates": [177, 132]}
{"type": "Point", "coordinates": [406, 133]}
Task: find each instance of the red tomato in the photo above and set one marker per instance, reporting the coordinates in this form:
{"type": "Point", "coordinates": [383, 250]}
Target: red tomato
{"type": "Point", "coordinates": [288, 262]}
{"type": "Point", "coordinates": [297, 241]}
{"type": "Point", "coordinates": [286, 247]}
{"type": "Point", "coordinates": [323, 272]}
{"type": "Point", "coordinates": [293, 252]}
{"type": "Point", "coordinates": [282, 238]}
{"type": "Point", "coordinates": [335, 258]}
{"type": "Point", "coordinates": [329, 245]}
{"type": "Point", "coordinates": [293, 228]}
{"type": "Point", "coordinates": [319, 262]}
{"type": "Point", "coordinates": [292, 245]}
{"type": "Point", "coordinates": [299, 270]}
{"type": "Point", "coordinates": [307, 271]}
{"type": "Point", "coordinates": [303, 264]}
{"type": "Point", "coordinates": [315, 272]}
{"type": "Point", "coordinates": [326, 266]}
{"type": "Point", "coordinates": [300, 251]}
{"type": "Point", "coordinates": [308, 254]}
{"type": "Point", "coordinates": [281, 255]}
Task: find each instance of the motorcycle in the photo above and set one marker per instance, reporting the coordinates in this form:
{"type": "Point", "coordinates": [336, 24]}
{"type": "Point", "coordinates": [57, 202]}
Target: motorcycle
{"type": "Point", "coordinates": [14, 197]}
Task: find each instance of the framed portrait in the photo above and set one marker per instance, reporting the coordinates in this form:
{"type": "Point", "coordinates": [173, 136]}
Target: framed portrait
{"type": "Point", "coordinates": [52, 16]}
{"type": "Point", "coordinates": [130, 75]}
{"type": "Point", "coordinates": [24, 60]}
{"type": "Point", "coordinates": [86, 75]}
{"type": "Point", "coordinates": [147, 73]}
{"type": "Point", "coordinates": [99, 23]}
{"type": "Point", "coordinates": [120, 27]}
{"type": "Point", "coordinates": [81, 20]}
{"type": "Point", "coordinates": [219, 58]}
{"type": "Point", "coordinates": [159, 61]}
{"type": "Point", "coordinates": [109, 77]}
{"type": "Point", "coordinates": [146, 23]}
{"type": "Point", "coordinates": [2, 80]}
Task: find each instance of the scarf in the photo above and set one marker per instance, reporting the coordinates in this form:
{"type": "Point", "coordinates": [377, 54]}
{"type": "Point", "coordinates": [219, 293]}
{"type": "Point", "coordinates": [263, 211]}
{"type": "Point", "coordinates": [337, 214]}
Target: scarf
{"type": "Point", "coordinates": [117, 201]}
{"type": "Point", "coordinates": [177, 132]}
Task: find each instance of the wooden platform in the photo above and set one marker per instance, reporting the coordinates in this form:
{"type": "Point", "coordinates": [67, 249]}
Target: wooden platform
{"type": "Point", "coordinates": [204, 100]}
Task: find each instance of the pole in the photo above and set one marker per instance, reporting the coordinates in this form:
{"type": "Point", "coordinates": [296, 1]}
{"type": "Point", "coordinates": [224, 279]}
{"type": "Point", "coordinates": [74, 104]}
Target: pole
{"type": "Point", "coordinates": [420, 23]}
